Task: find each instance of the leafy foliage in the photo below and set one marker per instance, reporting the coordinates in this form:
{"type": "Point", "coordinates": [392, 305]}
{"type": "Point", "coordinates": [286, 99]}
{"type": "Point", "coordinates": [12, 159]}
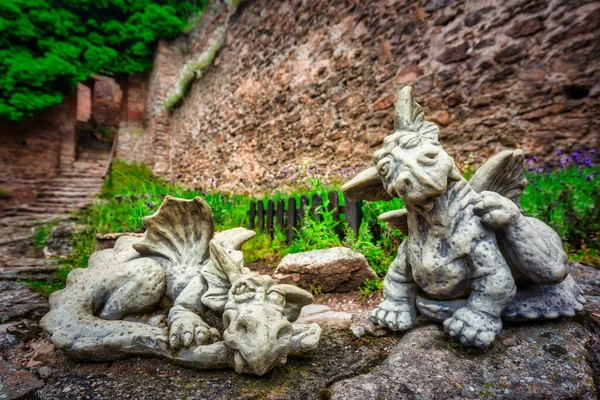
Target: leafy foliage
{"type": "Point", "coordinates": [48, 46]}
{"type": "Point", "coordinates": [568, 199]}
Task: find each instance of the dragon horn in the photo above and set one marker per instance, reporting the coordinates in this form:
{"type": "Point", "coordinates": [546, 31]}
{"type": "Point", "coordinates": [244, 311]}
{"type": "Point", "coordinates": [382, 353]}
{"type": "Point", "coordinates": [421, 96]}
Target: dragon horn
{"type": "Point", "coordinates": [408, 116]}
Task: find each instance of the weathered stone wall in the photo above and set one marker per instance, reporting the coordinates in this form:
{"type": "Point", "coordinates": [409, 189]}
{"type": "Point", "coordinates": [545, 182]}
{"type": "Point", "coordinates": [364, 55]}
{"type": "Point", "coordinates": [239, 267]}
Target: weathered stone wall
{"type": "Point", "coordinates": [37, 148]}
{"type": "Point", "coordinates": [302, 82]}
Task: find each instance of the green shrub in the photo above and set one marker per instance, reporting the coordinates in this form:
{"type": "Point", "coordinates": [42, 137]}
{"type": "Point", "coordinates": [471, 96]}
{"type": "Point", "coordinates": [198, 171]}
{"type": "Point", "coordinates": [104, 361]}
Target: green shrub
{"type": "Point", "coordinates": [567, 199]}
{"type": "Point", "coordinates": [48, 46]}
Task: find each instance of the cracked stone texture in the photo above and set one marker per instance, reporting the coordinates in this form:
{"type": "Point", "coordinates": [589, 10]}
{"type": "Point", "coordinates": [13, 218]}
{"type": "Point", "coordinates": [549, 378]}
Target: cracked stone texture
{"type": "Point", "coordinates": [340, 355]}
{"type": "Point", "coordinates": [495, 75]}
{"type": "Point", "coordinates": [542, 360]}
{"type": "Point", "coordinates": [338, 269]}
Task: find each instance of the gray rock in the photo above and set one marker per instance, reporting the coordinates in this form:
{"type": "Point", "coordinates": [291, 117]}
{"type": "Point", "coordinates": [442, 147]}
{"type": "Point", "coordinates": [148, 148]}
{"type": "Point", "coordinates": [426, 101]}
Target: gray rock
{"type": "Point", "coordinates": [58, 242]}
{"type": "Point", "coordinates": [543, 360]}
{"type": "Point", "coordinates": [18, 301]}
{"type": "Point", "coordinates": [16, 383]}
{"type": "Point", "coordinates": [338, 269]}
{"type": "Point", "coordinates": [340, 355]}
{"type": "Point", "coordinates": [324, 316]}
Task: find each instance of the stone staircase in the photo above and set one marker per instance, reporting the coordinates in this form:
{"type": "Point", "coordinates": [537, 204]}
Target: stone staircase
{"type": "Point", "coordinates": [72, 190]}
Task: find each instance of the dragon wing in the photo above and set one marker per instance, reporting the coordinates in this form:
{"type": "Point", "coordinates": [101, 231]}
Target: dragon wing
{"type": "Point", "coordinates": [504, 174]}
{"type": "Point", "coordinates": [180, 231]}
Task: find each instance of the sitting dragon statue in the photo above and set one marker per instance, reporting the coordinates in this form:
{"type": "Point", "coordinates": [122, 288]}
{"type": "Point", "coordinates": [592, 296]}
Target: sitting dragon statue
{"type": "Point", "coordinates": [471, 258]}
{"type": "Point", "coordinates": [220, 314]}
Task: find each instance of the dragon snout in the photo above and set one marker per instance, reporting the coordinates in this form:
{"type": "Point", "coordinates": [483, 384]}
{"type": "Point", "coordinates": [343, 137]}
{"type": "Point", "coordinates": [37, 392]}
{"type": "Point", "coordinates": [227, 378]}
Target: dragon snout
{"type": "Point", "coordinates": [260, 342]}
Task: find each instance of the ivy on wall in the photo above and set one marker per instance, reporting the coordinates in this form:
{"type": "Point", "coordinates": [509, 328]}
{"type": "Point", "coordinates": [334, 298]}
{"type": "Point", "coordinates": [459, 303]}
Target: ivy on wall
{"type": "Point", "coordinates": [48, 46]}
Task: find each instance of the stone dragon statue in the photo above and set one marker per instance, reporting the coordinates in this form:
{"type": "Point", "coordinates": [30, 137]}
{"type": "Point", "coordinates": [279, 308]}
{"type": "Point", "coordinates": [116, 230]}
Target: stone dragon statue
{"type": "Point", "coordinates": [471, 258]}
{"type": "Point", "coordinates": [117, 306]}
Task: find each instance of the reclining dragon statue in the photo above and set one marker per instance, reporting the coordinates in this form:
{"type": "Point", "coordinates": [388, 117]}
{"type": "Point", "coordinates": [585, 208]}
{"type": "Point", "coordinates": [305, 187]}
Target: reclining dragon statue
{"type": "Point", "coordinates": [471, 258]}
{"type": "Point", "coordinates": [220, 314]}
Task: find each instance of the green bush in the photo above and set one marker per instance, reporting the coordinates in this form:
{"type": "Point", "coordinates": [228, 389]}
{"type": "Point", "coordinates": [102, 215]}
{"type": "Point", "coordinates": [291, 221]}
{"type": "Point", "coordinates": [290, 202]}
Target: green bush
{"type": "Point", "coordinates": [48, 46]}
{"type": "Point", "coordinates": [568, 199]}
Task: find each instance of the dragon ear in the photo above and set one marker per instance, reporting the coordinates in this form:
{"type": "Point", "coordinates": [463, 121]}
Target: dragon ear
{"type": "Point", "coordinates": [366, 186]}
{"type": "Point", "coordinates": [295, 299]}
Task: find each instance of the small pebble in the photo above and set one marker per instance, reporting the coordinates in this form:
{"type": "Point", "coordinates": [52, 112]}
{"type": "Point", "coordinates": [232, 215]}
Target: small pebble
{"type": "Point", "coordinates": [358, 331]}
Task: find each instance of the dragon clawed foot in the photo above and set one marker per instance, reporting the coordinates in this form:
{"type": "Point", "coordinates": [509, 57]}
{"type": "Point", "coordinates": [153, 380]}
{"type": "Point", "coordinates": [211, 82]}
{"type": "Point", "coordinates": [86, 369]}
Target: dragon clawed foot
{"type": "Point", "coordinates": [185, 332]}
{"type": "Point", "coordinates": [396, 316]}
{"type": "Point", "coordinates": [473, 328]}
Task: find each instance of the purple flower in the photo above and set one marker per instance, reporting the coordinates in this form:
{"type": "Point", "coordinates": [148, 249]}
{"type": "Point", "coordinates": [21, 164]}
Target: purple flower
{"type": "Point", "coordinates": [178, 176]}
{"type": "Point", "coordinates": [531, 169]}
{"type": "Point", "coordinates": [562, 183]}
{"type": "Point", "coordinates": [318, 170]}
{"type": "Point", "coordinates": [133, 189]}
{"type": "Point", "coordinates": [285, 172]}
{"type": "Point", "coordinates": [588, 162]}
{"type": "Point", "coordinates": [538, 170]}
{"type": "Point", "coordinates": [592, 151]}
{"type": "Point", "coordinates": [534, 158]}
{"type": "Point", "coordinates": [575, 155]}
{"type": "Point", "coordinates": [589, 177]}
{"type": "Point", "coordinates": [559, 152]}
{"type": "Point", "coordinates": [149, 179]}
{"type": "Point", "coordinates": [567, 159]}
{"type": "Point", "coordinates": [133, 206]}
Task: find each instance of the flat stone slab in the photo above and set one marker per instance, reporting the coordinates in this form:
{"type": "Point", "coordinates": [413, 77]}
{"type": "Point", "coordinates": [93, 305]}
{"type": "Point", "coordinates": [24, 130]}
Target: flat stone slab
{"type": "Point", "coordinates": [340, 355]}
{"type": "Point", "coordinates": [548, 360]}
{"type": "Point", "coordinates": [326, 317]}
{"type": "Point", "coordinates": [338, 269]}
{"type": "Point", "coordinates": [16, 383]}
{"type": "Point", "coordinates": [19, 301]}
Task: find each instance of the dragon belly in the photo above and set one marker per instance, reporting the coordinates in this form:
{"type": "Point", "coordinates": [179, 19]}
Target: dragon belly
{"type": "Point", "coordinates": [442, 278]}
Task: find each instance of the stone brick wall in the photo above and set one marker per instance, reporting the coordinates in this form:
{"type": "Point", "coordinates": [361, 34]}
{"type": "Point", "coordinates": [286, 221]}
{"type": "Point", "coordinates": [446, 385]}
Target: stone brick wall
{"type": "Point", "coordinates": [314, 82]}
{"type": "Point", "coordinates": [38, 147]}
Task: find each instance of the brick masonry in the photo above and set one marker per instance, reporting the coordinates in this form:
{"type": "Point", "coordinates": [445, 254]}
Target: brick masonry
{"type": "Point", "coordinates": [37, 148]}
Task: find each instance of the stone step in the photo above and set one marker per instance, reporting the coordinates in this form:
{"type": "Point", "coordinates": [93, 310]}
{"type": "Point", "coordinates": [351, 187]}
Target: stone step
{"type": "Point", "coordinates": [47, 209]}
{"type": "Point", "coordinates": [45, 273]}
{"type": "Point", "coordinates": [65, 201]}
{"type": "Point", "coordinates": [16, 237]}
{"type": "Point", "coordinates": [72, 194]}
{"type": "Point", "coordinates": [66, 182]}
{"type": "Point", "coordinates": [26, 262]}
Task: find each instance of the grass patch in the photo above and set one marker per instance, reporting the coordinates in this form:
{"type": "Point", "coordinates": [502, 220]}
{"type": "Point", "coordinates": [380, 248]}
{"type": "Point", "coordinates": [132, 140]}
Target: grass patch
{"type": "Point", "coordinates": [568, 199]}
{"type": "Point", "coordinates": [5, 194]}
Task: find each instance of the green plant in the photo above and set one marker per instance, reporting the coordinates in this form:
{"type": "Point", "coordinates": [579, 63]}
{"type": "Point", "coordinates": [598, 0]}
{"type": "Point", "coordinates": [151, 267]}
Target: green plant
{"type": "Point", "coordinates": [44, 288]}
{"type": "Point", "coordinates": [5, 194]}
{"type": "Point", "coordinates": [48, 46]}
{"type": "Point", "coordinates": [371, 286]}
{"type": "Point", "coordinates": [40, 235]}
{"type": "Point", "coordinates": [195, 67]}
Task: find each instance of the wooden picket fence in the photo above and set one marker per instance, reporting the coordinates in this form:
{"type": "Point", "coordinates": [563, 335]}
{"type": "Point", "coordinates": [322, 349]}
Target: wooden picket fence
{"type": "Point", "coordinates": [287, 215]}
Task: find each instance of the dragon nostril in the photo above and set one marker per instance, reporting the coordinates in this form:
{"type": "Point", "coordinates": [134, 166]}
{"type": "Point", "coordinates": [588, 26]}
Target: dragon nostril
{"type": "Point", "coordinates": [284, 333]}
{"type": "Point", "coordinates": [246, 324]}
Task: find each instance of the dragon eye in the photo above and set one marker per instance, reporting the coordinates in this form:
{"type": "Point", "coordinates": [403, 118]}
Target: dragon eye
{"type": "Point", "coordinates": [276, 297]}
{"type": "Point", "coordinates": [242, 288]}
{"type": "Point", "coordinates": [428, 157]}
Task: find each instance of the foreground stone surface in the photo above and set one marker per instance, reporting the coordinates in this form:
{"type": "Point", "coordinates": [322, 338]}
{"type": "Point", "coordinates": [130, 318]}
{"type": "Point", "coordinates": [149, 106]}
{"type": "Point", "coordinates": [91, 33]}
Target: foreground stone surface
{"type": "Point", "coordinates": [15, 382]}
{"type": "Point", "coordinates": [19, 301]}
{"type": "Point", "coordinates": [332, 270]}
{"type": "Point", "coordinates": [539, 360]}
{"type": "Point", "coordinates": [340, 355]}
